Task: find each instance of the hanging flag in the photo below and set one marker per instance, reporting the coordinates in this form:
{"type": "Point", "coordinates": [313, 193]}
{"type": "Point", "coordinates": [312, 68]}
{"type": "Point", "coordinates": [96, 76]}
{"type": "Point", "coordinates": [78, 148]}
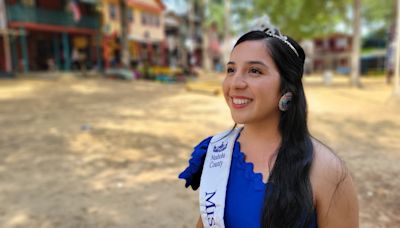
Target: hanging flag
{"type": "Point", "coordinates": [74, 6]}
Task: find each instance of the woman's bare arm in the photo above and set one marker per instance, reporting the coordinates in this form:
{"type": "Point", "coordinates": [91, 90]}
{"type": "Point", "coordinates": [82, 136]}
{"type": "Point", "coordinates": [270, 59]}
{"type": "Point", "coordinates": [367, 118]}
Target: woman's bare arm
{"type": "Point", "coordinates": [334, 191]}
{"type": "Point", "coordinates": [199, 223]}
{"type": "Point", "coordinates": [341, 208]}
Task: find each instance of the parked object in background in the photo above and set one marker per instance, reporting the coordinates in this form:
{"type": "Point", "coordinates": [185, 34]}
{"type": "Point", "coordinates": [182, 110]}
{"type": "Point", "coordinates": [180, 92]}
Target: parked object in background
{"type": "Point", "coordinates": [51, 65]}
{"type": "Point", "coordinates": [328, 76]}
{"type": "Point", "coordinates": [120, 73]}
{"type": "Point", "coordinates": [167, 74]}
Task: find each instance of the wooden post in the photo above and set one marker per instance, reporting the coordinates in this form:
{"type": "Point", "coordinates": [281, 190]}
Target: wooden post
{"type": "Point", "coordinates": [24, 47]}
{"type": "Point", "coordinates": [56, 48]}
{"type": "Point", "coordinates": [396, 89]}
{"type": "Point", "coordinates": [5, 33]}
{"type": "Point", "coordinates": [355, 60]}
{"type": "Point", "coordinates": [67, 57]}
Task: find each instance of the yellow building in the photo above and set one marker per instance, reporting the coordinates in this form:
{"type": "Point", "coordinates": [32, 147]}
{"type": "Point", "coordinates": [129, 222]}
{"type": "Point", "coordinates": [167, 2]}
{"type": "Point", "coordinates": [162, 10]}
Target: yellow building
{"type": "Point", "coordinates": [111, 19]}
{"type": "Point", "coordinates": [111, 30]}
{"type": "Point", "coordinates": [146, 31]}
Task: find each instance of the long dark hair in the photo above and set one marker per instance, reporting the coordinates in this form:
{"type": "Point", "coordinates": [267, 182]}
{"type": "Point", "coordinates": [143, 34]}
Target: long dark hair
{"type": "Point", "coordinates": [288, 198]}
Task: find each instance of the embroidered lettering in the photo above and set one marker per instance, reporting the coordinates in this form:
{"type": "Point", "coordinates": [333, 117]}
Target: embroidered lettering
{"type": "Point", "coordinates": [211, 221]}
{"type": "Point", "coordinates": [215, 164]}
{"type": "Point", "coordinates": [210, 208]}
{"type": "Point", "coordinates": [221, 147]}
{"type": "Point", "coordinates": [218, 156]}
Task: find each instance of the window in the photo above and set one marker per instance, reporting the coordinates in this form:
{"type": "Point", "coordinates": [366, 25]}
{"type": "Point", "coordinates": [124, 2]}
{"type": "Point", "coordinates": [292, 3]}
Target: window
{"type": "Point", "coordinates": [341, 42]}
{"type": "Point", "coordinates": [150, 19]}
{"type": "Point", "coordinates": [130, 15]}
{"type": "Point", "coordinates": [153, 19]}
{"type": "Point", "coordinates": [112, 11]}
{"type": "Point", "coordinates": [144, 18]}
{"type": "Point", "coordinates": [28, 2]}
{"type": "Point", "coordinates": [157, 21]}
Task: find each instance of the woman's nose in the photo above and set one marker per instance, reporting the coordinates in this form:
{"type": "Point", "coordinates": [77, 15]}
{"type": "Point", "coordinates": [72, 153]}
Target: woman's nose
{"type": "Point", "coordinates": [239, 82]}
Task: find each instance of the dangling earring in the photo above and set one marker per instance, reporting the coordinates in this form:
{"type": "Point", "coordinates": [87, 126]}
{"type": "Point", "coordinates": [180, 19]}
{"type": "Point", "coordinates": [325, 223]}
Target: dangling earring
{"type": "Point", "coordinates": [284, 102]}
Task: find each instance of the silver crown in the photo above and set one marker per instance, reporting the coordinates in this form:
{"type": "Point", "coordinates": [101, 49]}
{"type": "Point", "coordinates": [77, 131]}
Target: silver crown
{"type": "Point", "coordinates": [264, 24]}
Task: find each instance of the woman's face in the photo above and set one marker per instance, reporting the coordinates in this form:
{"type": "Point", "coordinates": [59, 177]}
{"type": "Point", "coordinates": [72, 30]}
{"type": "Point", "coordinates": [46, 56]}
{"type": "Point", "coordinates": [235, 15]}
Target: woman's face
{"type": "Point", "coordinates": [252, 84]}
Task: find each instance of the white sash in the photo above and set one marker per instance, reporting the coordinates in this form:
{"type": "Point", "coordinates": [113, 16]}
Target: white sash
{"type": "Point", "coordinates": [214, 178]}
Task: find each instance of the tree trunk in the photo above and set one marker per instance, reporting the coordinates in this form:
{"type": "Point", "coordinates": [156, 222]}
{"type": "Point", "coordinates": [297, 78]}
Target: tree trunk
{"type": "Point", "coordinates": [396, 89]}
{"type": "Point", "coordinates": [124, 34]}
{"type": "Point", "coordinates": [355, 69]}
{"type": "Point", "coordinates": [227, 38]}
{"type": "Point", "coordinates": [206, 57]}
{"type": "Point", "coordinates": [191, 34]}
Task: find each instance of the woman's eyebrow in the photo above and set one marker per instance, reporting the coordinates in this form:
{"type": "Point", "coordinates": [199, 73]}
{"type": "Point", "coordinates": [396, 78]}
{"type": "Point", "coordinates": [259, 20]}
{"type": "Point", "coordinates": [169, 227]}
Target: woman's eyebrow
{"type": "Point", "coordinates": [249, 63]}
{"type": "Point", "coordinates": [257, 62]}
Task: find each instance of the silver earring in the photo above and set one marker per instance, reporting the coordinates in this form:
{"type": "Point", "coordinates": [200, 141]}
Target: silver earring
{"type": "Point", "coordinates": [285, 100]}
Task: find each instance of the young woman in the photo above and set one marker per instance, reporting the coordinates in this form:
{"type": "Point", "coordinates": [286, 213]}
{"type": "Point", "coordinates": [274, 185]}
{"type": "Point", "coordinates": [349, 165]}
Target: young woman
{"type": "Point", "coordinates": [270, 172]}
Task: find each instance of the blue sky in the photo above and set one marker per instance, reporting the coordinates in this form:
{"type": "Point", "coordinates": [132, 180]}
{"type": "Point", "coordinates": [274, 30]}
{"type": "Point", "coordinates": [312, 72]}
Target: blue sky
{"type": "Point", "coordinates": [178, 6]}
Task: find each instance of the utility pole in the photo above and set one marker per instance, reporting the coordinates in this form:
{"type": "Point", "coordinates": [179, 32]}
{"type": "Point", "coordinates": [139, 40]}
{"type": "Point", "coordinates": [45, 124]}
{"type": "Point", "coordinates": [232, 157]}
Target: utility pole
{"type": "Point", "coordinates": [5, 32]}
{"type": "Point", "coordinates": [124, 34]}
{"type": "Point", "coordinates": [191, 34]}
{"type": "Point", "coordinates": [227, 38]}
{"type": "Point", "coordinates": [355, 60]}
{"type": "Point", "coordinates": [227, 15]}
{"type": "Point", "coordinates": [206, 54]}
{"type": "Point", "coordinates": [396, 89]}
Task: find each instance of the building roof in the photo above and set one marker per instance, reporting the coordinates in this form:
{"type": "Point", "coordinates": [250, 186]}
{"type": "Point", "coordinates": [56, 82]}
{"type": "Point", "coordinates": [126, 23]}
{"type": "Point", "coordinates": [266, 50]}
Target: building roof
{"type": "Point", "coordinates": [334, 35]}
{"type": "Point", "coordinates": [171, 19]}
{"type": "Point", "coordinates": [148, 5]}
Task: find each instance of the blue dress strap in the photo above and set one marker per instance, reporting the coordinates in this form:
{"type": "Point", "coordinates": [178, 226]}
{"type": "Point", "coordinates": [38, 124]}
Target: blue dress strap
{"type": "Point", "coordinates": [192, 173]}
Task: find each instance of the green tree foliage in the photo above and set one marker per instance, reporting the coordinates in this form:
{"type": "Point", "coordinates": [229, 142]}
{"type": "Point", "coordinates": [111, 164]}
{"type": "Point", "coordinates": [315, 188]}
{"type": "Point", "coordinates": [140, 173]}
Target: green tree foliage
{"type": "Point", "coordinates": [379, 15]}
{"type": "Point", "coordinates": [303, 18]}
{"type": "Point", "coordinates": [310, 18]}
{"type": "Point", "coordinates": [215, 14]}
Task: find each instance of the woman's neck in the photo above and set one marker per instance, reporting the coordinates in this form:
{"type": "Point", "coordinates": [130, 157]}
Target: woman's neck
{"type": "Point", "coordinates": [260, 142]}
{"type": "Point", "coordinates": [261, 132]}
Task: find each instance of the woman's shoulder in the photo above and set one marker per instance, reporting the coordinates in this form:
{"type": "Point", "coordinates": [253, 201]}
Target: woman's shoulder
{"type": "Point", "coordinates": [192, 173]}
{"type": "Point", "coordinates": [327, 169]}
{"type": "Point", "coordinates": [326, 162]}
{"type": "Point", "coordinates": [203, 144]}
{"type": "Point", "coordinates": [333, 188]}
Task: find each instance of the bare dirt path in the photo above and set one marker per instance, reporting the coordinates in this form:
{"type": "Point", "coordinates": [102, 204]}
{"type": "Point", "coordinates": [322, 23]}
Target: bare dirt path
{"type": "Point", "coordinates": [103, 153]}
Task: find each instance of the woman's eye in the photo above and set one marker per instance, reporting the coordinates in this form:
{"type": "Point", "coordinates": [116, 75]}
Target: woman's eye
{"type": "Point", "coordinates": [255, 71]}
{"type": "Point", "coordinates": [229, 70]}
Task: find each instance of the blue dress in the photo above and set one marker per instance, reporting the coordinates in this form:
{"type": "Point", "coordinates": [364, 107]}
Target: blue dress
{"type": "Point", "coordinates": [245, 191]}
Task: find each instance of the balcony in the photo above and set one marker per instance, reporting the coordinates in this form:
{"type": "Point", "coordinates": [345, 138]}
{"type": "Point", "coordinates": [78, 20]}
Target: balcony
{"type": "Point", "coordinates": [21, 13]}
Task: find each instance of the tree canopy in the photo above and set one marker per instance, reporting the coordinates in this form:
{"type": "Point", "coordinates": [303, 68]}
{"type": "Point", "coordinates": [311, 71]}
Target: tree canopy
{"type": "Point", "coordinates": [303, 18]}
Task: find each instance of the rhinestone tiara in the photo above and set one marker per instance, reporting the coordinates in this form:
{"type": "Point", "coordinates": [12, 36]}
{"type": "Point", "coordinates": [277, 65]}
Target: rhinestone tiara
{"type": "Point", "coordinates": [264, 24]}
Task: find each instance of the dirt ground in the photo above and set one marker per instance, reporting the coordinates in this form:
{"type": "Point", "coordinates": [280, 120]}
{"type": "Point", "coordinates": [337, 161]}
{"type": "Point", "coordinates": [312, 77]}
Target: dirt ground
{"type": "Point", "coordinates": [106, 153]}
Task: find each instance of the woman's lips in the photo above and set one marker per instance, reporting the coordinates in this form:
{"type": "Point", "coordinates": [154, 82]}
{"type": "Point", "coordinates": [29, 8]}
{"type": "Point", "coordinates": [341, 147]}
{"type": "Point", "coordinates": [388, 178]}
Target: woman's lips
{"type": "Point", "coordinates": [239, 102]}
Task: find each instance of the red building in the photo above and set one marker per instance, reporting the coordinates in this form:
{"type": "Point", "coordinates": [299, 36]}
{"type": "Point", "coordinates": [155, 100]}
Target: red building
{"type": "Point", "coordinates": [2, 54]}
{"type": "Point", "coordinates": [332, 52]}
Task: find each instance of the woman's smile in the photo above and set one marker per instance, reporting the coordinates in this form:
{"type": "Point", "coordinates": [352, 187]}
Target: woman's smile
{"type": "Point", "coordinates": [239, 102]}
